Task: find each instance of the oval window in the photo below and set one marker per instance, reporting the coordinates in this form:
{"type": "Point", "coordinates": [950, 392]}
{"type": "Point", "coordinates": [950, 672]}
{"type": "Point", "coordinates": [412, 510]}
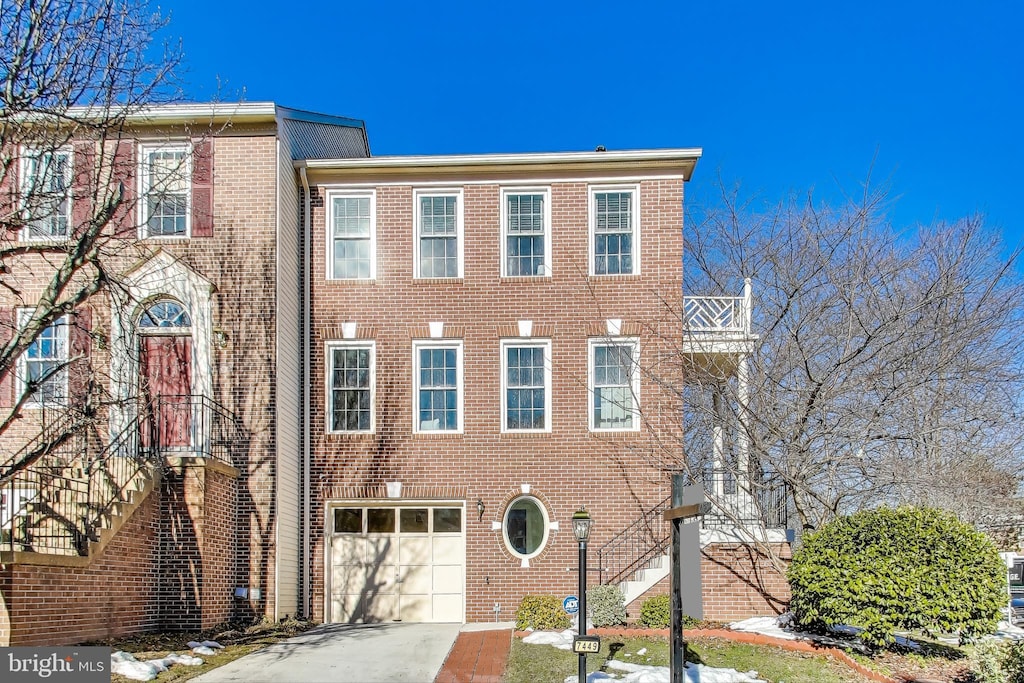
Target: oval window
{"type": "Point", "coordinates": [526, 526]}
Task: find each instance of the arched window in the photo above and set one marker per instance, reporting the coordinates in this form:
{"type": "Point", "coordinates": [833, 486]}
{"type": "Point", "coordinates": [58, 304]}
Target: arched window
{"type": "Point", "coordinates": [526, 527]}
{"type": "Point", "coordinates": [165, 314]}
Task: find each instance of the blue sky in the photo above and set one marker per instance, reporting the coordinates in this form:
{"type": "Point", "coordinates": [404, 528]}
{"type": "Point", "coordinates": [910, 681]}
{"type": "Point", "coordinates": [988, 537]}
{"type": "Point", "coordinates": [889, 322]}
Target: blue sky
{"type": "Point", "coordinates": [786, 96]}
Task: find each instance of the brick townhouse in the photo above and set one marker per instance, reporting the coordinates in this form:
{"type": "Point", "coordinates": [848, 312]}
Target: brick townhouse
{"type": "Point", "coordinates": [349, 387]}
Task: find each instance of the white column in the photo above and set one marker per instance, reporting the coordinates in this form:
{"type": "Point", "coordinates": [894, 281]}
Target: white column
{"type": "Point", "coordinates": [718, 445]}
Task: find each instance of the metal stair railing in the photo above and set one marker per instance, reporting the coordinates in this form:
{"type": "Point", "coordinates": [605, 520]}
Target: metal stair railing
{"type": "Point", "coordinates": [635, 546]}
{"type": "Point", "coordinates": [58, 503]}
{"type": "Point", "coordinates": [649, 536]}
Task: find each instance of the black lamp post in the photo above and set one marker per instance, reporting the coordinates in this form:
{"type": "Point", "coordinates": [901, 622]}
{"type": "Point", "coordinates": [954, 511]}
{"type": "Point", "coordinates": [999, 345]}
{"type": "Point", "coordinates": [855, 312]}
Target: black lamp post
{"type": "Point", "coordinates": [581, 530]}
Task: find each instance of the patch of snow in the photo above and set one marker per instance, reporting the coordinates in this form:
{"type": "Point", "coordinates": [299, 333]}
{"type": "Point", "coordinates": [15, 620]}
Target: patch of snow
{"type": "Point", "coordinates": [212, 644]}
{"type": "Point", "coordinates": [562, 640]}
{"type": "Point", "coordinates": [642, 651]}
{"type": "Point", "coordinates": [641, 673]}
{"type": "Point", "coordinates": [124, 663]}
{"type": "Point", "coordinates": [203, 650]}
{"type": "Point", "coordinates": [695, 673]}
{"type": "Point", "coordinates": [768, 626]}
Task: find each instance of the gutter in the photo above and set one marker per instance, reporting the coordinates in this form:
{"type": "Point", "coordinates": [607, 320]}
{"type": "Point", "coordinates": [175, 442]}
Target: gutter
{"type": "Point", "coordinates": [307, 597]}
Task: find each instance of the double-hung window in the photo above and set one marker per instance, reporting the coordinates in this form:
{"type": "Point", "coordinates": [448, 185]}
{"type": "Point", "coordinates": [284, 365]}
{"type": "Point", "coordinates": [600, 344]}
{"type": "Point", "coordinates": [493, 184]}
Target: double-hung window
{"type": "Point", "coordinates": [350, 386]}
{"type": "Point", "coordinates": [614, 231]}
{"type": "Point", "coordinates": [614, 385]}
{"type": "Point", "coordinates": [46, 194]}
{"type": "Point", "coordinates": [42, 368]}
{"type": "Point", "coordinates": [526, 224]}
{"type": "Point", "coordinates": [526, 386]}
{"type": "Point", "coordinates": [352, 236]}
{"type": "Point", "coordinates": [438, 233]}
{"type": "Point", "coordinates": [438, 390]}
{"type": "Point", "coordinates": [165, 185]}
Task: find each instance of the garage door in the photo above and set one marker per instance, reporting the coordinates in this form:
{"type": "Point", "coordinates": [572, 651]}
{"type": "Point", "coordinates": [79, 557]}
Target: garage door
{"type": "Point", "coordinates": [393, 563]}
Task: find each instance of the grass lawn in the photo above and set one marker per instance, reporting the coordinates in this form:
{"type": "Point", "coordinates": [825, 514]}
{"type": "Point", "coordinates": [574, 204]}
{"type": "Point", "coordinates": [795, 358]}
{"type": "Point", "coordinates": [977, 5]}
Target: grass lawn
{"type": "Point", "coordinates": [546, 664]}
{"type": "Point", "coordinates": [237, 642]}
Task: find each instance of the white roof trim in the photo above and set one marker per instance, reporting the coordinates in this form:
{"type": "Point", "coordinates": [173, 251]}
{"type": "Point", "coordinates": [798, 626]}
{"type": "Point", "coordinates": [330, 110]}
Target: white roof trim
{"type": "Point", "coordinates": [616, 156]}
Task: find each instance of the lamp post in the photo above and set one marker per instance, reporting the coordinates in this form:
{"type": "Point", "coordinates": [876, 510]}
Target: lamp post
{"type": "Point", "coordinates": [581, 530]}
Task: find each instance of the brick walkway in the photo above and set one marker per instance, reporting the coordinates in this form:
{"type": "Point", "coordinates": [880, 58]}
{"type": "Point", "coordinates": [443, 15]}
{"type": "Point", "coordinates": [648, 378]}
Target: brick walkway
{"type": "Point", "coordinates": [477, 657]}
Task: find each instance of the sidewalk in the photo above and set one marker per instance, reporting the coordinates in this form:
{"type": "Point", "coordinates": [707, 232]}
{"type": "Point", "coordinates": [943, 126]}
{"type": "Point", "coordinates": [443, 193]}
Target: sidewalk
{"type": "Point", "coordinates": [479, 655]}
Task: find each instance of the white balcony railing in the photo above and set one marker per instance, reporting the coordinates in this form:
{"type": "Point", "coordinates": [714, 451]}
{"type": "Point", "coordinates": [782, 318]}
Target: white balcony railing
{"type": "Point", "coordinates": [719, 314]}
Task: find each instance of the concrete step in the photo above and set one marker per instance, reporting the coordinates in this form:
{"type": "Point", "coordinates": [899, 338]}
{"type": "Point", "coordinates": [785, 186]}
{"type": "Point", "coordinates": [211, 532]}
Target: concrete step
{"type": "Point", "coordinates": [644, 579]}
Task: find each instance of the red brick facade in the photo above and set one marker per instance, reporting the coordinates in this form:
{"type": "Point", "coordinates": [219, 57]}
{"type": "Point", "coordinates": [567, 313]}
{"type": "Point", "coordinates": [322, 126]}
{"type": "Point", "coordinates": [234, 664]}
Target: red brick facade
{"type": "Point", "coordinates": [616, 476]}
{"type": "Point", "coordinates": [209, 529]}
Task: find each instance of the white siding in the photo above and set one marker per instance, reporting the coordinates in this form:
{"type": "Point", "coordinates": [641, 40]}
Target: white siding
{"type": "Point", "coordinates": [288, 385]}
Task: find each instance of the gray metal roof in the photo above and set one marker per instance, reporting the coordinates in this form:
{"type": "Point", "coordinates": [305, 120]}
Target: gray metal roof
{"type": "Point", "coordinates": [319, 136]}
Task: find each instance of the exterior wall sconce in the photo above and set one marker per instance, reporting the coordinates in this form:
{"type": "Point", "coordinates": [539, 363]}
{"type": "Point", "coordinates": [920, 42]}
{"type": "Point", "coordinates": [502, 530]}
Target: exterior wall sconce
{"type": "Point", "coordinates": [480, 507]}
{"type": "Point", "coordinates": [220, 338]}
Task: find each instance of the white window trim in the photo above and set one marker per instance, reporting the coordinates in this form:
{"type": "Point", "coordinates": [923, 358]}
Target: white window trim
{"type": "Point", "coordinates": [356, 194]}
{"type": "Point", "coordinates": [457, 344]}
{"type": "Point", "coordinates": [547, 527]}
{"type": "Point", "coordinates": [505, 192]}
{"type": "Point", "coordinates": [459, 232]}
{"type": "Point", "coordinates": [143, 183]}
{"type": "Point", "coordinates": [25, 154]}
{"type": "Point", "coordinates": [594, 190]}
{"type": "Point", "coordinates": [21, 375]}
{"type": "Point", "coordinates": [526, 342]}
{"type": "Point", "coordinates": [592, 345]}
{"type": "Point", "coordinates": [329, 394]}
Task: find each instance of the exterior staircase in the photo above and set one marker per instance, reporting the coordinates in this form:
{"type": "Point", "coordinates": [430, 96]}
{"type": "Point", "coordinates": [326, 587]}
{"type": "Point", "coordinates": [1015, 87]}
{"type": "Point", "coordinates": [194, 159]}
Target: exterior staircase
{"type": "Point", "coordinates": [638, 557]}
{"type": "Point", "coordinates": [644, 579]}
{"type": "Point", "coordinates": [66, 494]}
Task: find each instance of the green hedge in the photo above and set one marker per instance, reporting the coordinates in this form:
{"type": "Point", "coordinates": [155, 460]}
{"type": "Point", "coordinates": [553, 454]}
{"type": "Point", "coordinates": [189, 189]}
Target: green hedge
{"type": "Point", "coordinates": [656, 612]}
{"type": "Point", "coordinates": [897, 569]}
{"type": "Point", "coordinates": [541, 613]}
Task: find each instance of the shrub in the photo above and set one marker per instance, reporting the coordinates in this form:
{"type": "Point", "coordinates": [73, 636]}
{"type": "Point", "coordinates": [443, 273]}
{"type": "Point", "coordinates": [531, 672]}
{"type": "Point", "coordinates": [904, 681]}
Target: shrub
{"type": "Point", "coordinates": [542, 613]}
{"type": "Point", "coordinates": [897, 569]}
{"type": "Point", "coordinates": [1013, 663]}
{"type": "Point", "coordinates": [607, 605]}
{"type": "Point", "coordinates": [656, 612]}
{"type": "Point", "coordinates": [998, 662]}
{"type": "Point", "coordinates": [986, 662]}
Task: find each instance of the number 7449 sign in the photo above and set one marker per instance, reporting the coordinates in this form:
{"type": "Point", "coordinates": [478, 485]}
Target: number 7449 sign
{"type": "Point", "coordinates": [586, 645]}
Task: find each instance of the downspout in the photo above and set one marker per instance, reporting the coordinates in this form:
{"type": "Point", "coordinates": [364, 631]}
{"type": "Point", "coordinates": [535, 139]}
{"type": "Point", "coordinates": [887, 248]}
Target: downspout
{"type": "Point", "coordinates": [307, 597]}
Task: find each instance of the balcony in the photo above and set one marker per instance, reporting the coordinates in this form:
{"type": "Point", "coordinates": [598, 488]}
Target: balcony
{"type": "Point", "coordinates": [717, 332]}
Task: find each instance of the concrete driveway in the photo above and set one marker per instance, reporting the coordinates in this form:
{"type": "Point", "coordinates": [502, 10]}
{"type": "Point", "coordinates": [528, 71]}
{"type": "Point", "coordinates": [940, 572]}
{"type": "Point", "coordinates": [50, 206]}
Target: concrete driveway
{"type": "Point", "coordinates": [344, 653]}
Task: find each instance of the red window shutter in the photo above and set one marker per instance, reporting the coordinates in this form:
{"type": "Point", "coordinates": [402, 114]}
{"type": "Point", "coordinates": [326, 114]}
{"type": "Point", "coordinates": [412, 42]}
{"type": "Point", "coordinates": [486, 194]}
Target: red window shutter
{"type": "Point", "coordinates": [79, 350]}
{"type": "Point", "coordinates": [7, 319]}
{"type": "Point", "coordinates": [82, 186]}
{"type": "Point", "coordinates": [202, 187]}
{"type": "Point", "coordinates": [123, 171]}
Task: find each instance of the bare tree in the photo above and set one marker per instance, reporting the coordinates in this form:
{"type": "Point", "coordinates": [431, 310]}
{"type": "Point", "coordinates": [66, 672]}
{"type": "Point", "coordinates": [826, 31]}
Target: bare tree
{"type": "Point", "coordinates": [889, 364]}
{"type": "Point", "coordinates": [72, 74]}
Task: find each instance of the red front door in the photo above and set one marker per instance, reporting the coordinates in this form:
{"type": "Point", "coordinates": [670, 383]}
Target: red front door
{"type": "Point", "coordinates": [167, 384]}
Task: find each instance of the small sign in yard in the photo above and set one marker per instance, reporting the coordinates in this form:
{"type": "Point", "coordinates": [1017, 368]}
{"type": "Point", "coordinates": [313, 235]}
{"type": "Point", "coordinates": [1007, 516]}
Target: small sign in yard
{"type": "Point", "coordinates": [584, 645]}
{"type": "Point", "coordinates": [1017, 574]}
{"type": "Point", "coordinates": [571, 604]}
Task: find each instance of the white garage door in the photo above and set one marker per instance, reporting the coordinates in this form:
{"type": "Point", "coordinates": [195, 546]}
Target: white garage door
{"type": "Point", "coordinates": [397, 563]}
